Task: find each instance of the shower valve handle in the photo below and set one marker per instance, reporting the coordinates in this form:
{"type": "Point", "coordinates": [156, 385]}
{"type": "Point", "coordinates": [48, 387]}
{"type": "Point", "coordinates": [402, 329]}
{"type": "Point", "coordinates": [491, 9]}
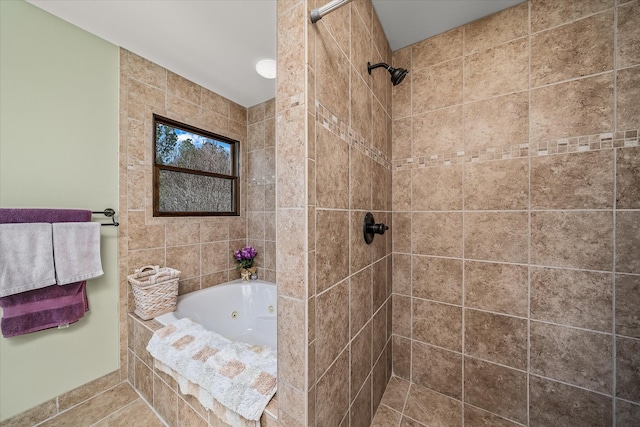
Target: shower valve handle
{"type": "Point", "coordinates": [370, 228]}
{"type": "Point", "coordinates": [377, 228]}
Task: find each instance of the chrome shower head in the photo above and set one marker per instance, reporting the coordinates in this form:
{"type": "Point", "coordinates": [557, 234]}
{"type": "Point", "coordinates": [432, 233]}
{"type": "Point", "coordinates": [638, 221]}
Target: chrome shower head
{"type": "Point", "coordinates": [397, 74]}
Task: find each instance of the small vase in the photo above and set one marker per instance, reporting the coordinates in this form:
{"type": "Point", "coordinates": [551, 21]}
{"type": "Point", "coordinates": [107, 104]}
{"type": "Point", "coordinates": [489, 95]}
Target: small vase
{"type": "Point", "coordinates": [245, 273]}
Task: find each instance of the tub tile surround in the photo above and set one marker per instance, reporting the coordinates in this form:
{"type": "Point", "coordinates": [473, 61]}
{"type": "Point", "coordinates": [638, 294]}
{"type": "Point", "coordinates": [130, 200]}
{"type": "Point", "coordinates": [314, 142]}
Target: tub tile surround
{"type": "Point", "coordinates": [515, 216]}
{"type": "Point", "coordinates": [162, 393]}
{"type": "Point", "coordinates": [200, 247]}
{"type": "Point", "coordinates": [261, 182]}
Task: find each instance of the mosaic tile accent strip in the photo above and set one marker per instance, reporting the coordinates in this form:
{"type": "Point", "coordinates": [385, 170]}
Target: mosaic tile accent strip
{"type": "Point", "coordinates": [330, 121]}
{"type": "Point", "coordinates": [603, 141]}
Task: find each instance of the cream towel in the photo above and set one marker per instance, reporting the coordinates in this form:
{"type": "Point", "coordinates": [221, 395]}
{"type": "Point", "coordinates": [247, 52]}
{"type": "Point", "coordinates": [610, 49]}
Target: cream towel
{"type": "Point", "coordinates": [76, 251]}
{"type": "Point", "coordinates": [240, 376]}
{"type": "Point", "coordinates": [26, 257]}
{"type": "Point", "coordinates": [217, 409]}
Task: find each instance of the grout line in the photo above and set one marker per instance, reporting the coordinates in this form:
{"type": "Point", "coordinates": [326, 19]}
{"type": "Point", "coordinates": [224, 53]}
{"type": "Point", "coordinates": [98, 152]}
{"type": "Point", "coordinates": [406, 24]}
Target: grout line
{"type": "Point", "coordinates": [572, 79]}
{"type": "Point", "coordinates": [150, 405]}
{"type": "Point", "coordinates": [627, 66]}
{"type": "Point", "coordinates": [411, 278]}
{"type": "Point", "coordinates": [515, 92]}
{"type": "Point", "coordinates": [528, 401]}
{"type": "Point", "coordinates": [406, 401]}
{"type": "Point", "coordinates": [411, 205]}
{"type": "Point", "coordinates": [463, 301]}
{"type": "Point", "coordinates": [466, 307]}
{"type": "Point", "coordinates": [496, 415]}
{"type": "Point", "coordinates": [546, 322]}
{"type": "Point", "coordinates": [571, 21]}
{"type": "Point", "coordinates": [515, 264]}
{"type": "Point", "coordinates": [118, 410]}
{"type": "Point", "coordinates": [59, 413]}
{"type": "Point", "coordinates": [573, 385]}
{"type": "Point", "coordinates": [486, 211]}
{"type": "Point", "coordinates": [634, 403]}
{"type": "Point", "coordinates": [391, 409]}
{"type": "Point", "coordinates": [418, 423]}
{"type": "Point", "coordinates": [464, 53]}
{"type": "Point", "coordinates": [615, 206]}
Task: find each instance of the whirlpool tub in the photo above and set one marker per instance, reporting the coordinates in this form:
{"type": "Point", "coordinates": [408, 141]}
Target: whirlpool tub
{"type": "Point", "coordinates": [240, 311]}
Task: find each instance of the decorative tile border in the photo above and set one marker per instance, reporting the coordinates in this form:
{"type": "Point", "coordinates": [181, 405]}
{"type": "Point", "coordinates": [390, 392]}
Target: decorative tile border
{"type": "Point", "coordinates": [328, 120]}
{"type": "Point", "coordinates": [577, 144]}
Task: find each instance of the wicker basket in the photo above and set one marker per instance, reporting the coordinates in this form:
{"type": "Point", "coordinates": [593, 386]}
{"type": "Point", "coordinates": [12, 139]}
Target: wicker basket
{"type": "Point", "coordinates": [155, 290]}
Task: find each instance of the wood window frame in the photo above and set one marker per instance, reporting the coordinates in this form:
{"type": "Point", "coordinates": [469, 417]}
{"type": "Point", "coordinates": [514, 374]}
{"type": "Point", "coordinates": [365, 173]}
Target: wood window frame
{"type": "Point", "coordinates": [234, 177]}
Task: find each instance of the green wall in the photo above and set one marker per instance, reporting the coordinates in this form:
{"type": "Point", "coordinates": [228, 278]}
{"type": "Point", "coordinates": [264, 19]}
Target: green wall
{"type": "Point", "coordinates": [59, 148]}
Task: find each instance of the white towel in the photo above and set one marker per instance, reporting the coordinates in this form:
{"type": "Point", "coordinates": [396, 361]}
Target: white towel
{"type": "Point", "coordinates": [26, 257]}
{"type": "Point", "coordinates": [240, 376]}
{"type": "Point", "coordinates": [76, 251]}
{"type": "Point", "coordinates": [224, 414]}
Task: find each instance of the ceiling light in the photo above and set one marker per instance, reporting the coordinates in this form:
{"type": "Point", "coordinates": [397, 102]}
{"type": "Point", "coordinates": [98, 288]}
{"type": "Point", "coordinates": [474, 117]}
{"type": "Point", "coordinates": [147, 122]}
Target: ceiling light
{"type": "Point", "coordinates": [267, 68]}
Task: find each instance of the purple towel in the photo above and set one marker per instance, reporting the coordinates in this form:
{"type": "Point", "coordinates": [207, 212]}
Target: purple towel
{"type": "Point", "coordinates": [46, 307]}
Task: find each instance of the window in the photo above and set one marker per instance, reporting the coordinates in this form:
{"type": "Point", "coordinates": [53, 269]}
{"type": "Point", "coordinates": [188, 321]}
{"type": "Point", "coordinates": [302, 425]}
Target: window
{"type": "Point", "coordinates": [195, 172]}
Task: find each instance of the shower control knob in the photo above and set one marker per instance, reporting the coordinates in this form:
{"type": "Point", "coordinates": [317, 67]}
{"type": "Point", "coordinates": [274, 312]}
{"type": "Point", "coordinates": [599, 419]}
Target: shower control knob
{"type": "Point", "coordinates": [378, 228]}
{"type": "Point", "coordinates": [370, 228]}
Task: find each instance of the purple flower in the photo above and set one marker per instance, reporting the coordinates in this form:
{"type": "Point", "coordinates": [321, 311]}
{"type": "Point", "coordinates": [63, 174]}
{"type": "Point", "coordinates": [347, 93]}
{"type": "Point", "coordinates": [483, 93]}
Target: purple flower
{"type": "Point", "coordinates": [245, 257]}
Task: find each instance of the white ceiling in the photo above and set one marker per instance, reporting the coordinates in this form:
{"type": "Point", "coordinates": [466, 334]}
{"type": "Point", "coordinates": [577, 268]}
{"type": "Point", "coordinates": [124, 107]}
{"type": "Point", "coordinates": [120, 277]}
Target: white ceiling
{"type": "Point", "coordinates": [216, 43]}
{"type": "Point", "coordinates": [408, 21]}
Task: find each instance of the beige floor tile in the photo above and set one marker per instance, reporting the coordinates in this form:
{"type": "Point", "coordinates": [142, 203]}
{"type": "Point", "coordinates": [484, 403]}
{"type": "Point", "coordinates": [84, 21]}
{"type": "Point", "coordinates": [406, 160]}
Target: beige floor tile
{"type": "Point", "coordinates": [385, 417]}
{"type": "Point", "coordinates": [137, 414]}
{"type": "Point", "coordinates": [97, 408]}
{"type": "Point", "coordinates": [395, 394]}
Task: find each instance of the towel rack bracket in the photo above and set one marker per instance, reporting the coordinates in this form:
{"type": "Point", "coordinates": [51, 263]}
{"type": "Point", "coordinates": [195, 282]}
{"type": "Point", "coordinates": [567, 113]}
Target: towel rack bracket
{"type": "Point", "coordinates": [109, 213]}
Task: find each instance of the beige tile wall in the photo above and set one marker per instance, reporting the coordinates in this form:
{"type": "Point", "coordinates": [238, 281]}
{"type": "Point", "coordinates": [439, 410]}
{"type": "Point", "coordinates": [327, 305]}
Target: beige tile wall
{"type": "Point", "coordinates": [292, 259]}
{"type": "Point", "coordinates": [200, 247]}
{"type": "Point", "coordinates": [350, 172]}
{"type": "Point", "coordinates": [333, 153]}
{"type": "Point", "coordinates": [261, 187]}
{"type": "Point", "coordinates": [515, 216]}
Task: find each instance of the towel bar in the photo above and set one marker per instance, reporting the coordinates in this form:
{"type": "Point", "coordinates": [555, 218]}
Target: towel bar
{"type": "Point", "coordinates": [110, 213]}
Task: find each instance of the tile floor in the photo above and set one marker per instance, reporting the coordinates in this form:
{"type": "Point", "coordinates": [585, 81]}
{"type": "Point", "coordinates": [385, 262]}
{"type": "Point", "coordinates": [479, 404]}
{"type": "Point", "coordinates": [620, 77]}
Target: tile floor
{"type": "Point", "coordinates": [390, 413]}
{"type": "Point", "coordinates": [120, 406]}
{"type": "Point", "coordinates": [408, 405]}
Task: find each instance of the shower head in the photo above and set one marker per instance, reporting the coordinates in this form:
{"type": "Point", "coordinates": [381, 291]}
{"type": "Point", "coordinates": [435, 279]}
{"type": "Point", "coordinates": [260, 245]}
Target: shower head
{"type": "Point", "coordinates": [397, 74]}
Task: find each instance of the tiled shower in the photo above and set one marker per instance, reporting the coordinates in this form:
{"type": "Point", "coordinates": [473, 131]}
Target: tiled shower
{"type": "Point", "coordinates": [514, 218]}
{"type": "Point", "coordinates": [516, 230]}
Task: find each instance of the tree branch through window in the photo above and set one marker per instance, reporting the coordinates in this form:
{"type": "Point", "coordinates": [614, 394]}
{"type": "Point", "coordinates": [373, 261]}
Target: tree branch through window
{"type": "Point", "coordinates": [195, 172]}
